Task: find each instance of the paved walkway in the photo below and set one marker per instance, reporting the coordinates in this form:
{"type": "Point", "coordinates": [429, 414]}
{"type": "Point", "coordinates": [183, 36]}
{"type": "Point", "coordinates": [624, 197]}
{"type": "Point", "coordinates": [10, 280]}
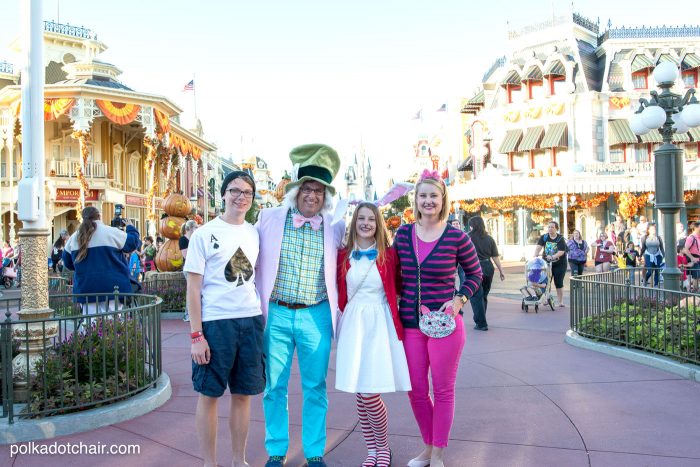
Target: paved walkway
{"type": "Point", "coordinates": [524, 398]}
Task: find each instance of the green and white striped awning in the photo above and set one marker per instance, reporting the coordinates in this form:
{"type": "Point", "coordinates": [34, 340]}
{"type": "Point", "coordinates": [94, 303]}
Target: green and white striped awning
{"type": "Point", "coordinates": [510, 142]}
{"type": "Point", "coordinates": [695, 133]}
{"type": "Point", "coordinates": [556, 68]}
{"type": "Point", "coordinates": [666, 58]}
{"type": "Point", "coordinates": [654, 136]}
{"type": "Point", "coordinates": [641, 62]}
{"type": "Point", "coordinates": [690, 61]}
{"type": "Point", "coordinates": [620, 132]}
{"type": "Point", "coordinates": [532, 139]}
{"type": "Point", "coordinates": [557, 136]}
{"type": "Point", "coordinates": [511, 78]}
{"type": "Point", "coordinates": [533, 74]}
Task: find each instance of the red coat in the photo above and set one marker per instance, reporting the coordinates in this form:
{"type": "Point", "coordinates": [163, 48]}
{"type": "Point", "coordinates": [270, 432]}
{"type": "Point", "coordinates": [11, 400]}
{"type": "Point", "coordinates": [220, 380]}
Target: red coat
{"type": "Point", "coordinates": [391, 278]}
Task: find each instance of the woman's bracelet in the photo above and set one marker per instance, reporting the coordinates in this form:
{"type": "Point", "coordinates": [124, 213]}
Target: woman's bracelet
{"type": "Point", "coordinates": [197, 339]}
{"type": "Point", "coordinates": [196, 334]}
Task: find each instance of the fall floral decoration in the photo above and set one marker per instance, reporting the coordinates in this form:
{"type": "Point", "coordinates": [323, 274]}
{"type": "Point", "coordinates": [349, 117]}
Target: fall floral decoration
{"type": "Point", "coordinates": [593, 201]}
{"type": "Point", "coordinates": [393, 223]}
{"type": "Point", "coordinates": [149, 165]}
{"type": "Point", "coordinates": [408, 216]}
{"type": "Point", "coordinates": [82, 137]}
{"type": "Point", "coordinates": [629, 204]}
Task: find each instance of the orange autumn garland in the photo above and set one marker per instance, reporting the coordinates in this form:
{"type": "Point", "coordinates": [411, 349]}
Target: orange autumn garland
{"type": "Point", "coordinates": [82, 137]}
{"type": "Point", "coordinates": [149, 165]}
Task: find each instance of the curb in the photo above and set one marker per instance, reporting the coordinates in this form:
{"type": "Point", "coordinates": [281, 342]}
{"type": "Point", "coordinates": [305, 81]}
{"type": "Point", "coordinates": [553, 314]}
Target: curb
{"type": "Point", "coordinates": [684, 370]}
{"type": "Point", "coordinates": [61, 425]}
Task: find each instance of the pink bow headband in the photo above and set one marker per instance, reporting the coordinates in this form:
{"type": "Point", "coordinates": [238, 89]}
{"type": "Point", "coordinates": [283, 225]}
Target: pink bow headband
{"type": "Point", "coordinates": [432, 175]}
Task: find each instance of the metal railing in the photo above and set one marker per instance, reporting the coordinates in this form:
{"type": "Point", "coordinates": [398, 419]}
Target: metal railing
{"type": "Point", "coordinates": [86, 355]}
{"type": "Point", "coordinates": [658, 32]}
{"type": "Point", "coordinates": [6, 67]}
{"type": "Point", "coordinates": [68, 30]}
{"type": "Point", "coordinates": [614, 307]}
{"type": "Point", "coordinates": [69, 168]}
{"type": "Point", "coordinates": [173, 291]}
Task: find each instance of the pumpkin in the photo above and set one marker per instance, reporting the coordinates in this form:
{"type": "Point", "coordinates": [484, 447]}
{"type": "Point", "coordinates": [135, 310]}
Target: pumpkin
{"type": "Point", "coordinates": [169, 257]}
{"type": "Point", "coordinates": [171, 227]}
{"type": "Point", "coordinates": [177, 205]}
{"type": "Point", "coordinates": [280, 192]}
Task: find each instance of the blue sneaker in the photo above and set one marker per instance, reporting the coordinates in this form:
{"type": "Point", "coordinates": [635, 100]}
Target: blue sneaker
{"type": "Point", "coordinates": [276, 461]}
{"type": "Point", "coordinates": [315, 462]}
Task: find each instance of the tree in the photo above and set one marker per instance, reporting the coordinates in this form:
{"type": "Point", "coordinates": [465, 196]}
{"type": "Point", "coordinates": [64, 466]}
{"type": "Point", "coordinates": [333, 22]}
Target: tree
{"type": "Point", "coordinates": [397, 207]}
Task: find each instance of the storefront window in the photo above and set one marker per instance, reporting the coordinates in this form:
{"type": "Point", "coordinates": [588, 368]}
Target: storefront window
{"type": "Point", "coordinates": [691, 151]}
{"type": "Point", "coordinates": [512, 227]}
{"type": "Point", "coordinates": [617, 153]}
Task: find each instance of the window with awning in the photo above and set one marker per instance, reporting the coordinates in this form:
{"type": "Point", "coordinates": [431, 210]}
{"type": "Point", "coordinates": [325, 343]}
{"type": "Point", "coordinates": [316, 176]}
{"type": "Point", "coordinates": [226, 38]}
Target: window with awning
{"type": "Point", "coordinates": [533, 74]}
{"type": "Point", "coordinates": [666, 58]}
{"type": "Point", "coordinates": [557, 136]}
{"type": "Point", "coordinates": [532, 138]}
{"type": "Point", "coordinates": [690, 61]}
{"type": "Point", "coordinates": [512, 78]}
{"type": "Point", "coordinates": [511, 141]}
{"type": "Point", "coordinates": [655, 136]}
{"type": "Point", "coordinates": [555, 69]}
{"type": "Point", "coordinates": [466, 165]}
{"type": "Point", "coordinates": [695, 133]}
{"type": "Point", "coordinates": [620, 133]}
{"type": "Point", "coordinates": [641, 62]}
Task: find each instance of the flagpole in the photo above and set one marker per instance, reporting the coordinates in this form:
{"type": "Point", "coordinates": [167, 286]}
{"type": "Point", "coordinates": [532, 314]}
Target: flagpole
{"type": "Point", "coordinates": [194, 94]}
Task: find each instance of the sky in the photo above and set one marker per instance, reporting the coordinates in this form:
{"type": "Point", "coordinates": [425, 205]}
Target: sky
{"type": "Point", "coordinates": [273, 74]}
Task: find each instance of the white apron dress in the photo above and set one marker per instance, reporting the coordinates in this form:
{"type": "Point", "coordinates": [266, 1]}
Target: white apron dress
{"type": "Point", "coordinates": [369, 357]}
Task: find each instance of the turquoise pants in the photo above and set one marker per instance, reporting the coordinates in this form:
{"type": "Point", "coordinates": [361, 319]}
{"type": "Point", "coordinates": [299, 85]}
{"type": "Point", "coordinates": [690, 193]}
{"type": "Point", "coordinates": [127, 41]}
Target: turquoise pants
{"type": "Point", "coordinates": [310, 330]}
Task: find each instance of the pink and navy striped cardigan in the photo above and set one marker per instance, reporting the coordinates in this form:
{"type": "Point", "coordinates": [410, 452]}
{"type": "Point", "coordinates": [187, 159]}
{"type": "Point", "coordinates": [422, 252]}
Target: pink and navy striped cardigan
{"type": "Point", "coordinates": [437, 271]}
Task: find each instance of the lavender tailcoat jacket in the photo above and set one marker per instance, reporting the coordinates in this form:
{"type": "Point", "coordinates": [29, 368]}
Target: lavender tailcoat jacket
{"type": "Point", "coordinates": [270, 227]}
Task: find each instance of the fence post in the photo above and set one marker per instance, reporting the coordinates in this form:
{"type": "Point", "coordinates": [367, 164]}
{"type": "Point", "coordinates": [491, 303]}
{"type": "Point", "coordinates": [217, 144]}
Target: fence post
{"type": "Point", "coordinates": [7, 384]}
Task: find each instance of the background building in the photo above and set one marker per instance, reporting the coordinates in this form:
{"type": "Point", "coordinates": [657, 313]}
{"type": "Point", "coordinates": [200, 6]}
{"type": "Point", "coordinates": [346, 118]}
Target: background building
{"type": "Point", "coordinates": [547, 133]}
{"type": "Point", "coordinates": [106, 144]}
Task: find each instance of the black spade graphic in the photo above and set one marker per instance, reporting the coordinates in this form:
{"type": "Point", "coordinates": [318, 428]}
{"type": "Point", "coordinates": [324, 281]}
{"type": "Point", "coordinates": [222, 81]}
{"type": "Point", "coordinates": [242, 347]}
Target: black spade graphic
{"type": "Point", "coordinates": [238, 268]}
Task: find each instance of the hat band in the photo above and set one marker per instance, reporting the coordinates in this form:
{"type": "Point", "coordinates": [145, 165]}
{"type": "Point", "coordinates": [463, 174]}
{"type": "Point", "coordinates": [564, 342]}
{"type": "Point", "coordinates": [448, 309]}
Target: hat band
{"type": "Point", "coordinates": [314, 171]}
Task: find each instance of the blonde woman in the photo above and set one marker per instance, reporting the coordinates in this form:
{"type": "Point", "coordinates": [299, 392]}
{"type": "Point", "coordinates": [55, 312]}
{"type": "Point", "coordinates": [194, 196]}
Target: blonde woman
{"type": "Point", "coordinates": [429, 252]}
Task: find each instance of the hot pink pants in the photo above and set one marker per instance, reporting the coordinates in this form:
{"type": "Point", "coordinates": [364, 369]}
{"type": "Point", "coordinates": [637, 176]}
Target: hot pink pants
{"type": "Point", "coordinates": [440, 357]}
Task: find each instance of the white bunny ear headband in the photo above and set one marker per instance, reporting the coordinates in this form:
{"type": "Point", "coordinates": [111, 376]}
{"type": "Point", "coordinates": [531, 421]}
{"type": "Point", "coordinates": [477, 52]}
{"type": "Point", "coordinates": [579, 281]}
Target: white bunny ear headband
{"type": "Point", "coordinates": [394, 193]}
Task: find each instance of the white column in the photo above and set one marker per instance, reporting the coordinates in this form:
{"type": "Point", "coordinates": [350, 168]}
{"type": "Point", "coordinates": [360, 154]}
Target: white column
{"type": "Point", "coordinates": [11, 177]}
{"type": "Point", "coordinates": [32, 211]}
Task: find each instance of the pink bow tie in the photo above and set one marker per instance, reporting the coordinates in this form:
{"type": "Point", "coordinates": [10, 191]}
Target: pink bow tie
{"type": "Point", "coordinates": [299, 220]}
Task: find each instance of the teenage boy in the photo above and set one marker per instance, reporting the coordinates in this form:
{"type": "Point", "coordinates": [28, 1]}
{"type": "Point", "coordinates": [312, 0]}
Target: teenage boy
{"type": "Point", "coordinates": [226, 321]}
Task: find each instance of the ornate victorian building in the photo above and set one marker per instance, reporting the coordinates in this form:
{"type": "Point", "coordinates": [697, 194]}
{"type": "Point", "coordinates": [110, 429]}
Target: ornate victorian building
{"type": "Point", "coordinates": [106, 144]}
{"type": "Point", "coordinates": [547, 133]}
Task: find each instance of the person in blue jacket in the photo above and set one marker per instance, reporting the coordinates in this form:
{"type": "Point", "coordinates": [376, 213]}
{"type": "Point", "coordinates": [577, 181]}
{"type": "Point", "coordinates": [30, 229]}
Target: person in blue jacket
{"type": "Point", "coordinates": [96, 254]}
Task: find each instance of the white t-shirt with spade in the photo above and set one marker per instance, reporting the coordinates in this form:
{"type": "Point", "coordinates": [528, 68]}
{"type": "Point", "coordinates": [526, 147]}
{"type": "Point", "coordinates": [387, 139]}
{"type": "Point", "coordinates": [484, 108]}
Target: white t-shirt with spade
{"type": "Point", "coordinates": [225, 254]}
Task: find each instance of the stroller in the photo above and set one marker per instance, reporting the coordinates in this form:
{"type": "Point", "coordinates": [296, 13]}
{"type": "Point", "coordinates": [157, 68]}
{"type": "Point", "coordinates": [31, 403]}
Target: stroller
{"type": "Point", "coordinates": [537, 290]}
{"type": "Point", "coordinates": [8, 273]}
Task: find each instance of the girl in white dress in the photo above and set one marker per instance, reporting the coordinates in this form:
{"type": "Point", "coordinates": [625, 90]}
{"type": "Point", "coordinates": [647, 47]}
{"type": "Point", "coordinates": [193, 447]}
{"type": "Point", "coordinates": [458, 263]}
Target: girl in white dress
{"type": "Point", "coordinates": [370, 356]}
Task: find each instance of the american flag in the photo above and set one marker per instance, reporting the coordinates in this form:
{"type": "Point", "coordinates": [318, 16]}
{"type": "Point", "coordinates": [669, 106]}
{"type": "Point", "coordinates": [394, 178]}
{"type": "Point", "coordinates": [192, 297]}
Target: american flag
{"type": "Point", "coordinates": [189, 86]}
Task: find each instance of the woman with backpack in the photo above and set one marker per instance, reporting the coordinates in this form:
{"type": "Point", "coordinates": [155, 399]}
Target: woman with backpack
{"type": "Point", "coordinates": [578, 252]}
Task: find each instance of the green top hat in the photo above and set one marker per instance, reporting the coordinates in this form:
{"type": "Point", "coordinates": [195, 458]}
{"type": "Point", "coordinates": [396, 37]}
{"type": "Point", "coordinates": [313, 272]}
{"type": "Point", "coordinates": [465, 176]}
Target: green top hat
{"type": "Point", "coordinates": [316, 162]}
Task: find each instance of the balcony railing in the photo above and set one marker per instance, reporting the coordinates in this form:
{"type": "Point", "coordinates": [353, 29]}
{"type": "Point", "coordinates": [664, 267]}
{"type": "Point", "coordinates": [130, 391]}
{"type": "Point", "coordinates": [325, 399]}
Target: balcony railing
{"type": "Point", "coordinates": [68, 30]}
{"type": "Point", "coordinates": [661, 32]}
{"type": "Point", "coordinates": [70, 169]}
{"type": "Point", "coordinates": [6, 67]}
{"type": "Point", "coordinates": [5, 173]}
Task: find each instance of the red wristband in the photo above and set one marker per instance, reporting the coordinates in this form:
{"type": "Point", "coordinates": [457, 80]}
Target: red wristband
{"type": "Point", "coordinates": [196, 334]}
{"type": "Point", "coordinates": [197, 339]}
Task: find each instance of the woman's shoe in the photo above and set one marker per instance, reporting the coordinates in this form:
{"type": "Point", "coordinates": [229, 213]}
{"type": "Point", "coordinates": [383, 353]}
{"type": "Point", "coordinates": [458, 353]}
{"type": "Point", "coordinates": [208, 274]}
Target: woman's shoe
{"type": "Point", "coordinates": [418, 462]}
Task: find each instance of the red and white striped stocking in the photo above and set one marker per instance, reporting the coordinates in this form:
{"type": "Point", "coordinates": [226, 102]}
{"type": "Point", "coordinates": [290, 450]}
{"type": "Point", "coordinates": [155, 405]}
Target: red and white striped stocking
{"type": "Point", "coordinates": [367, 433]}
{"type": "Point", "coordinates": [376, 414]}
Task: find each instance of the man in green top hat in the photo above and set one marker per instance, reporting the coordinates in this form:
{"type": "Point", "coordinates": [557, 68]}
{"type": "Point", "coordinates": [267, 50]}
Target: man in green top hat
{"type": "Point", "coordinates": [296, 279]}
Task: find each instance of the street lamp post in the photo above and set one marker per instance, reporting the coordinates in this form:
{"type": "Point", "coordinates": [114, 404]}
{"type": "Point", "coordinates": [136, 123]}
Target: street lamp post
{"type": "Point", "coordinates": [670, 113]}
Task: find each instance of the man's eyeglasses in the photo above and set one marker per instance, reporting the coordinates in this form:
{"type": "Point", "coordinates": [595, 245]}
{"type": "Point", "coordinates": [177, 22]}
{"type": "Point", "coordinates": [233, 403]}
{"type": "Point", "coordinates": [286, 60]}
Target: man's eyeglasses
{"type": "Point", "coordinates": [318, 191]}
{"type": "Point", "coordinates": [236, 193]}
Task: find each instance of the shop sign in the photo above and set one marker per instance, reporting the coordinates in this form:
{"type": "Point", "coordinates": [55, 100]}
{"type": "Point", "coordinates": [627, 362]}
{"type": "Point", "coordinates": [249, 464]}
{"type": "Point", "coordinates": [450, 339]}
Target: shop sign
{"type": "Point", "coordinates": [73, 194]}
{"type": "Point", "coordinates": [135, 200]}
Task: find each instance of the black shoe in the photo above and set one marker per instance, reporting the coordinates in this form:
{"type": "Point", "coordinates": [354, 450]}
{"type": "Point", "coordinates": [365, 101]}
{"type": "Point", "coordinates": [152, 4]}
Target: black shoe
{"type": "Point", "coordinates": [481, 328]}
{"type": "Point", "coordinates": [315, 462]}
{"type": "Point", "coordinates": [276, 461]}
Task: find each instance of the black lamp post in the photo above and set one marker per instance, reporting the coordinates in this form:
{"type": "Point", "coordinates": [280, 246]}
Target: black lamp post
{"type": "Point", "coordinates": [670, 113]}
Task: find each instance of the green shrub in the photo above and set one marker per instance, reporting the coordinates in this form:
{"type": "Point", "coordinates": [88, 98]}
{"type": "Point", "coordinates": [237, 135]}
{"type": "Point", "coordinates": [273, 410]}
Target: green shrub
{"type": "Point", "coordinates": [172, 291]}
{"type": "Point", "coordinates": [103, 360]}
{"type": "Point", "coordinates": [661, 327]}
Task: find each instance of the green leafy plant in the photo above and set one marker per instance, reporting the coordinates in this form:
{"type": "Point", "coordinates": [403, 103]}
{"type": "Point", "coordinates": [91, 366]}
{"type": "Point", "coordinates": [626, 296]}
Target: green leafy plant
{"type": "Point", "coordinates": [104, 360]}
